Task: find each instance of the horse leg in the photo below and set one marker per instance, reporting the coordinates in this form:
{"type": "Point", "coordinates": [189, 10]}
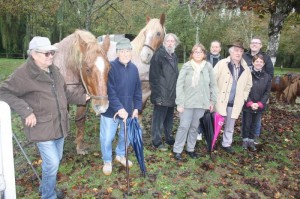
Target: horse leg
{"type": "Point", "coordinates": [146, 92]}
{"type": "Point", "coordinates": [80, 121]}
{"type": "Point", "coordinates": [278, 95]}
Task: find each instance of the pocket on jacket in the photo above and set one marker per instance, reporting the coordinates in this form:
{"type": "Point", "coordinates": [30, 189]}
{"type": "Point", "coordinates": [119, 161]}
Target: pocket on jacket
{"type": "Point", "coordinates": [43, 130]}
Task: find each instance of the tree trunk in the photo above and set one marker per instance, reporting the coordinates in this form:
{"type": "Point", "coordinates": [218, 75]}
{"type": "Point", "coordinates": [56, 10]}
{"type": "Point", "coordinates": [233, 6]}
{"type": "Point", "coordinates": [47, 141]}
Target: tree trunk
{"type": "Point", "coordinates": [275, 26]}
{"type": "Point", "coordinates": [278, 15]}
{"type": "Point", "coordinates": [184, 54]}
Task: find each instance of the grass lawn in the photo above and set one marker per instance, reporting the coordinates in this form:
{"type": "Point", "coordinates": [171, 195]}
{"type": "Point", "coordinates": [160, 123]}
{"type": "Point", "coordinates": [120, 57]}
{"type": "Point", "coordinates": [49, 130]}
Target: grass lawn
{"type": "Point", "coordinates": [271, 172]}
{"type": "Point", "coordinates": [7, 66]}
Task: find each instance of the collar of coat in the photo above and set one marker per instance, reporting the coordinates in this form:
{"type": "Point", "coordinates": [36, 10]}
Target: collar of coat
{"type": "Point", "coordinates": [37, 73]}
{"type": "Point", "coordinates": [243, 66]}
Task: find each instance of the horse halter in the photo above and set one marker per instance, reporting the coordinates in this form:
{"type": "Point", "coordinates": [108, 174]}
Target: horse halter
{"type": "Point", "coordinates": [150, 47]}
{"type": "Point", "coordinates": [146, 45]}
{"type": "Point", "coordinates": [97, 97]}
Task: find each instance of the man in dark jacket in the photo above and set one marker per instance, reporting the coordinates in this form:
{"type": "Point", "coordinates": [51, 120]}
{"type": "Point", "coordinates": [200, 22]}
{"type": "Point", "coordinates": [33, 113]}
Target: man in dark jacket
{"type": "Point", "coordinates": [37, 92]}
{"type": "Point", "coordinates": [125, 98]}
{"type": "Point", "coordinates": [214, 55]}
{"type": "Point", "coordinates": [255, 49]}
{"type": "Point", "coordinates": [163, 75]}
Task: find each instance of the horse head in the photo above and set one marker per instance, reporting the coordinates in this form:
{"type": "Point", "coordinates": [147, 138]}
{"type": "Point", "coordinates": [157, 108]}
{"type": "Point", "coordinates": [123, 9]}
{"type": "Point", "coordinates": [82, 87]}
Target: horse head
{"type": "Point", "coordinates": [154, 33]}
{"type": "Point", "coordinates": [94, 71]}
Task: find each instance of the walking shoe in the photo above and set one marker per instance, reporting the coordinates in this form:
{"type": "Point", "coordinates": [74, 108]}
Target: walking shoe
{"type": "Point", "coordinates": [252, 146]}
{"type": "Point", "coordinates": [227, 149]}
{"type": "Point", "coordinates": [256, 140]}
{"type": "Point", "coordinates": [122, 160]}
{"type": "Point", "coordinates": [177, 156]}
{"type": "Point", "coordinates": [107, 168]}
{"type": "Point", "coordinates": [60, 194]}
{"type": "Point", "coordinates": [245, 145]}
{"type": "Point", "coordinates": [192, 154]}
{"type": "Point", "coordinates": [199, 136]}
{"type": "Point", "coordinates": [162, 147]}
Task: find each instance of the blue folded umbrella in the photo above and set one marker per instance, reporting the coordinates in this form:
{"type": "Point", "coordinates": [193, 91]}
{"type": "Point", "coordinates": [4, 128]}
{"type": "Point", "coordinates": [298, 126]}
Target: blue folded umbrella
{"type": "Point", "coordinates": [134, 133]}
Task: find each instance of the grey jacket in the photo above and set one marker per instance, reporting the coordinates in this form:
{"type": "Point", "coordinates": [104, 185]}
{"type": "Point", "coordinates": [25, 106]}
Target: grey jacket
{"type": "Point", "coordinates": [32, 90]}
{"type": "Point", "coordinates": [201, 96]}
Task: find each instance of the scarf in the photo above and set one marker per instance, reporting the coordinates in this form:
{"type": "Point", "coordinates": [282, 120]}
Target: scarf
{"type": "Point", "coordinates": [197, 69]}
{"type": "Point", "coordinates": [212, 57]}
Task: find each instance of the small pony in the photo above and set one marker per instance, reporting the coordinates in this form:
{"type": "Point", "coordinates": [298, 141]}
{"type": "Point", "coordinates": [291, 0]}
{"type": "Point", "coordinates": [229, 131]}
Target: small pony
{"type": "Point", "coordinates": [285, 87]}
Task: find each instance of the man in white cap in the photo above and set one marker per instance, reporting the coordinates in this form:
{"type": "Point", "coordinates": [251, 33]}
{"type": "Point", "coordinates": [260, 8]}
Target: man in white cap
{"type": "Point", "coordinates": [37, 92]}
{"type": "Point", "coordinates": [125, 98]}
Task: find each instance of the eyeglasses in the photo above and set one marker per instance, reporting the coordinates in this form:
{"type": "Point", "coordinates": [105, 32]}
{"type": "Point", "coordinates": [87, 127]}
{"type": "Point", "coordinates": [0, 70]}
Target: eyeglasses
{"type": "Point", "coordinates": [198, 52]}
{"type": "Point", "coordinates": [255, 43]}
{"type": "Point", "coordinates": [47, 54]}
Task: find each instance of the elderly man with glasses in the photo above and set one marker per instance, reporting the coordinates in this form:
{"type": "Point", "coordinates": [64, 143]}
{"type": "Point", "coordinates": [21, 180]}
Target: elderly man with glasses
{"type": "Point", "coordinates": [37, 92]}
{"type": "Point", "coordinates": [234, 82]}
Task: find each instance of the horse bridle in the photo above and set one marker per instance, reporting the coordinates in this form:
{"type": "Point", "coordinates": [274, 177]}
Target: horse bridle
{"type": "Point", "coordinates": [146, 45]}
{"type": "Point", "coordinates": [97, 97]}
{"type": "Point", "coordinates": [150, 47]}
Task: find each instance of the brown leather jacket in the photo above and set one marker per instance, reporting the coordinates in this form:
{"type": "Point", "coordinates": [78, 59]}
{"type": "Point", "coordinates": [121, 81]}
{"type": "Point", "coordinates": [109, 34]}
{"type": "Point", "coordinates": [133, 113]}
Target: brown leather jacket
{"type": "Point", "coordinates": [32, 90]}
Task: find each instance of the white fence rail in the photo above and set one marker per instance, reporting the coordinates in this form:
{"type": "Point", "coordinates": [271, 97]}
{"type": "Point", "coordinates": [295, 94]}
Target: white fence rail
{"type": "Point", "coordinates": [7, 168]}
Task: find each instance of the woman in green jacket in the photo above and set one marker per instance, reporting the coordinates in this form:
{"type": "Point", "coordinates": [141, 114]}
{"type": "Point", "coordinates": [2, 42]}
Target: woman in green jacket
{"type": "Point", "coordinates": [196, 91]}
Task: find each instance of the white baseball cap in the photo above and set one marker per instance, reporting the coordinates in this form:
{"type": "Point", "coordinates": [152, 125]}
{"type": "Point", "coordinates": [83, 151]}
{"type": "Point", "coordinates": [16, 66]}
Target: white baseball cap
{"type": "Point", "coordinates": [41, 43]}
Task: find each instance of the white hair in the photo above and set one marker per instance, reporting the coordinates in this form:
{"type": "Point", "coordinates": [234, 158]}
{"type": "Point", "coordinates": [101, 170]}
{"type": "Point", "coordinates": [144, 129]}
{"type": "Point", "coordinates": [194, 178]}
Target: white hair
{"type": "Point", "coordinates": [177, 42]}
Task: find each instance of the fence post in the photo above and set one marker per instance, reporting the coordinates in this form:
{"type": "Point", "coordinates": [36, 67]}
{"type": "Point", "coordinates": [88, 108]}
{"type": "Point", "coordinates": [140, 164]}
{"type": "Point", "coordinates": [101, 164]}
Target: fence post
{"type": "Point", "coordinates": [6, 152]}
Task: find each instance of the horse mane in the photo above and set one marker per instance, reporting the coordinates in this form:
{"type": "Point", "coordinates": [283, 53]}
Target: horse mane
{"type": "Point", "coordinates": [71, 49]}
{"type": "Point", "coordinates": [84, 39]}
{"type": "Point", "coordinates": [137, 43]}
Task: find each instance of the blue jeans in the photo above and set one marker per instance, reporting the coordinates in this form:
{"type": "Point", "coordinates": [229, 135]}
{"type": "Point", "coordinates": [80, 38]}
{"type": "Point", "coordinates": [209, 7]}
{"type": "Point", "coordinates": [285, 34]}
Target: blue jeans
{"type": "Point", "coordinates": [258, 124]}
{"type": "Point", "coordinates": [51, 153]}
{"type": "Point", "coordinates": [108, 129]}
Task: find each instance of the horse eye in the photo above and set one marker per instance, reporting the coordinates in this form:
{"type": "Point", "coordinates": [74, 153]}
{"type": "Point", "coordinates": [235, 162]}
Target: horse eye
{"type": "Point", "coordinates": [158, 34]}
{"type": "Point", "coordinates": [88, 70]}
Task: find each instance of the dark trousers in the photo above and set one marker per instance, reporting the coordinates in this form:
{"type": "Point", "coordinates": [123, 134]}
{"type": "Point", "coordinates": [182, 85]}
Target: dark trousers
{"type": "Point", "coordinates": [162, 119]}
{"type": "Point", "coordinates": [258, 125]}
{"type": "Point", "coordinates": [250, 123]}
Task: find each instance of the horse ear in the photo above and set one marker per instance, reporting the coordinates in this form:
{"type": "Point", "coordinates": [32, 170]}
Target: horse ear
{"type": "Point", "coordinates": [162, 19]}
{"type": "Point", "coordinates": [148, 19]}
{"type": "Point", "coordinates": [82, 43]}
{"type": "Point", "coordinates": [106, 43]}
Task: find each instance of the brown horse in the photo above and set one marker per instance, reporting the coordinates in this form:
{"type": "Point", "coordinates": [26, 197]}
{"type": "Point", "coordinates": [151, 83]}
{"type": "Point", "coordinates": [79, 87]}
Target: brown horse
{"type": "Point", "coordinates": [292, 91]}
{"type": "Point", "coordinates": [144, 45]}
{"type": "Point", "coordinates": [83, 63]}
{"type": "Point", "coordinates": [281, 85]}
